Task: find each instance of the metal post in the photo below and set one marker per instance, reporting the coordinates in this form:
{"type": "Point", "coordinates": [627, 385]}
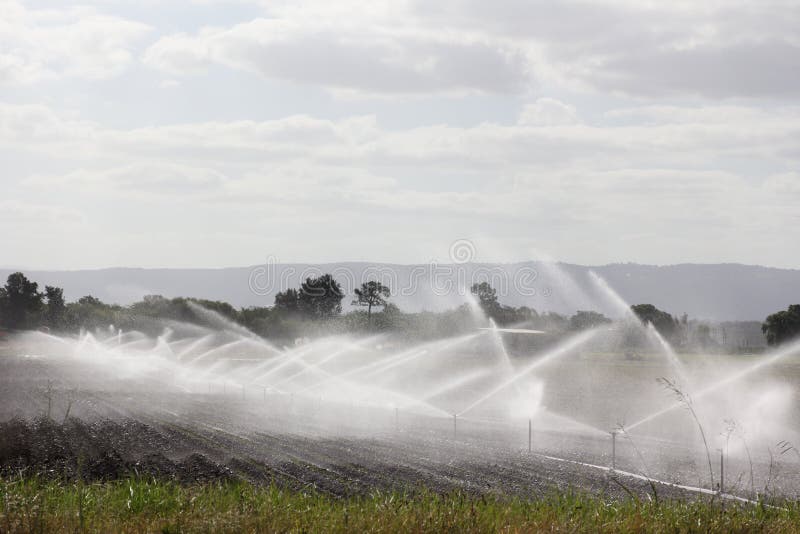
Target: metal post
{"type": "Point", "coordinates": [721, 470]}
{"type": "Point", "coordinates": [613, 450]}
{"type": "Point", "coordinates": [455, 426]}
{"type": "Point", "coordinates": [530, 435]}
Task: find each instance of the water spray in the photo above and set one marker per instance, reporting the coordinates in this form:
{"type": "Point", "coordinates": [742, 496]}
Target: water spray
{"type": "Point", "coordinates": [564, 348]}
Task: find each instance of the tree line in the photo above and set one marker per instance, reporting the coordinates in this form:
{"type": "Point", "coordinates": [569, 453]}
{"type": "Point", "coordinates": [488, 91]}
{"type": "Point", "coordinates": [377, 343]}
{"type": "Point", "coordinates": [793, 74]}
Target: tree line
{"type": "Point", "coordinates": [315, 308]}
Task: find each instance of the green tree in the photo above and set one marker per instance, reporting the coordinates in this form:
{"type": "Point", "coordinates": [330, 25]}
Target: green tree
{"type": "Point", "coordinates": [371, 294]}
{"type": "Point", "coordinates": [89, 300]}
{"type": "Point", "coordinates": [782, 326]}
{"type": "Point", "coordinates": [20, 302]}
{"type": "Point", "coordinates": [288, 301]}
{"type": "Point", "coordinates": [56, 309]}
{"type": "Point", "coordinates": [583, 320]}
{"type": "Point", "coordinates": [320, 297]}
{"type": "Point", "coordinates": [487, 298]}
{"type": "Point", "coordinates": [665, 323]}
{"type": "Point", "coordinates": [90, 312]}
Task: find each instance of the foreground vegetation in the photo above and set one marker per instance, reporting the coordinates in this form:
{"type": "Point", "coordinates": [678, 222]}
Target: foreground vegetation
{"type": "Point", "coordinates": [136, 505]}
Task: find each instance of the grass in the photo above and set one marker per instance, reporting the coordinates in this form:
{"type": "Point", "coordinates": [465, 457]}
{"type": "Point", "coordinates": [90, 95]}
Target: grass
{"type": "Point", "coordinates": [136, 505]}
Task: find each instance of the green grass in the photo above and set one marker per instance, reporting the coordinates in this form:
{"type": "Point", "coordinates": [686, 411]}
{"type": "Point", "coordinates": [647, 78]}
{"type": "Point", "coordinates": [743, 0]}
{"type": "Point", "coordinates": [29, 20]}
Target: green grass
{"type": "Point", "coordinates": [136, 505]}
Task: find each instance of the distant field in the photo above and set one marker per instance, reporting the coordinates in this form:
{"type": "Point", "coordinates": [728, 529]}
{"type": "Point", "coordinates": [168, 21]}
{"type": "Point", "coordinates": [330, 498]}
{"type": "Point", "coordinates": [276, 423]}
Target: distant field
{"type": "Point", "coordinates": [136, 505]}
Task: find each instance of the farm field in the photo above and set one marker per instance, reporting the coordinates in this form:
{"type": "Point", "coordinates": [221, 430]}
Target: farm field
{"type": "Point", "coordinates": [336, 425]}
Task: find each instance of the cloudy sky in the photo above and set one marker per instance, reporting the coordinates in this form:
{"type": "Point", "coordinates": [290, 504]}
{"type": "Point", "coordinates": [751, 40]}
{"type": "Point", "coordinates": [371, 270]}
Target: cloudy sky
{"type": "Point", "coordinates": [217, 133]}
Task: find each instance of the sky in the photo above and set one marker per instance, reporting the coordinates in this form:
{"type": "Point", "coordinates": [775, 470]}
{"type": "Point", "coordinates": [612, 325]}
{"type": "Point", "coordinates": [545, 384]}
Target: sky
{"type": "Point", "coordinates": [148, 133]}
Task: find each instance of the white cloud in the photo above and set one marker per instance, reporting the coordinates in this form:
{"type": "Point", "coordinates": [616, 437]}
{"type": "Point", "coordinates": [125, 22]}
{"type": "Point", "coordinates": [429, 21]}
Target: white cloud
{"type": "Point", "coordinates": [149, 178]}
{"type": "Point", "coordinates": [711, 50]}
{"type": "Point", "coordinates": [654, 49]}
{"type": "Point", "coordinates": [74, 42]}
{"type": "Point", "coordinates": [647, 136]}
{"type": "Point", "coordinates": [548, 112]}
{"type": "Point", "coordinates": [37, 216]}
{"type": "Point", "coordinates": [383, 58]}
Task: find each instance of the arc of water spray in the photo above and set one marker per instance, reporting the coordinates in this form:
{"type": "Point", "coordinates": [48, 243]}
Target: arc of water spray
{"type": "Point", "coordinates": [194, 345]}
{"type": "Point", "coordinates": [571, 344]}
{"type": "Point", "coordinates": [402, 357]}
{"type": "Point", "coordinates": [733, 377]}
{"type": "Point", "coordinates": [618, 302]}
{"type": "Point", "coordinates": [350, 347]}
{"type": "Point", "coordinates": [206, 354]}
{"type": "Point", "coordinates": [422, 352]}
{"type": "Point", "coordinates": [670, 352]}
{"type": "Point", "coordinates": [612, 296]}
{"type": "Point", "coordinates": [295, 358]}
{"type": "Point", "coordinates": [231, 326]}
{"type": "Point", "coordinates": [457, 383]}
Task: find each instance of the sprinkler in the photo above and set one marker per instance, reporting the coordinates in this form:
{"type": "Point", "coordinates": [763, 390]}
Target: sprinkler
{"type": "Point", "coordinates": [721, 470]}
{"type": "Point", "coordinates": [530, 435]}
{"type": "Point", "coordinates": [614, 450]}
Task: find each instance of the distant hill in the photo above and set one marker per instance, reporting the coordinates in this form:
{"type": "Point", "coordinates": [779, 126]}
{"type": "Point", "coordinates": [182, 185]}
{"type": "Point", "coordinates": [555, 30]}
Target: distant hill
{"type": "Point", "coordinates": [723, 292]}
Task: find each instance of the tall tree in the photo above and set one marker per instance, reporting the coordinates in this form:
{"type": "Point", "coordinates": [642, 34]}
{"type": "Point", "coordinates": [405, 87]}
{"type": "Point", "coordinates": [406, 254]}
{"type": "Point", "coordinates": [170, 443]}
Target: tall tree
{"type": "Point", "coordinates": [583, 320]}
{"type": "Point", "coordinates": [371, 294]}
{"type": "Point", "coordinates": [288, 301]}
{"type": "Point", "coordinates": [782, 326]}
{"type": "Point", "coordinates": [56, 309]}
{"type": "Point", "coordinates": [320, 297]}
{"type": "Point", "coordinates": [21, 302]}
{"type": "Point", "coordinates": [665, 323]}
{"type": "Point", "coordinates": [487, 298]}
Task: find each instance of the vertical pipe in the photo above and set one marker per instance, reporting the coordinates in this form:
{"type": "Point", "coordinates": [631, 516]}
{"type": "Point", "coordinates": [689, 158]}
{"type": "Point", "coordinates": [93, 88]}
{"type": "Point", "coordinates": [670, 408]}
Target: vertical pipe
{"type": "Point", "coordinates": [530, 435]}
{"type": "Point", "coordinates": [455, 426]}
{"type": "Point", "coordinates": [721, 470]}
{"type": "Point", "coordinates": [613, 450]}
